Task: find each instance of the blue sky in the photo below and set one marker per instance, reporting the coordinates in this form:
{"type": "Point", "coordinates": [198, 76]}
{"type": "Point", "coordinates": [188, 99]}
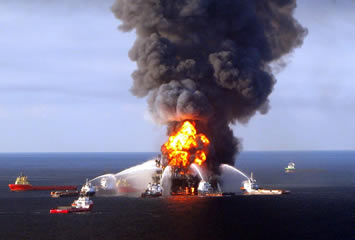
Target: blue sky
{"type": "Point", "coordinates": [65, 79]}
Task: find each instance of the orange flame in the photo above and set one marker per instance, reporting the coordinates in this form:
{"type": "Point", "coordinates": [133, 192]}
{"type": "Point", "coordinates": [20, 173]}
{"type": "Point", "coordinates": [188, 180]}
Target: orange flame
{"type": "Point", "coordinates": [186, 146]}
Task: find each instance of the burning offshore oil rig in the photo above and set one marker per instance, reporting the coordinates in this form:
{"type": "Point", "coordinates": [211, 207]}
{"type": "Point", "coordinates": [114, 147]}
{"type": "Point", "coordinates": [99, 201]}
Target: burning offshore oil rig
{"type": "Point", "coordinates": [181, 169]}
{"type": "Point", "coordinates": [183, 155]}
{"type": "Point", "coordinates": [205, 65]}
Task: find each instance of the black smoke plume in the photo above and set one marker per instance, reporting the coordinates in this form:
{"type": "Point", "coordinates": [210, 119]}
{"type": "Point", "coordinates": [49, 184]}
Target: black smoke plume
{"type": "Point", "coordinates": [208, 61]}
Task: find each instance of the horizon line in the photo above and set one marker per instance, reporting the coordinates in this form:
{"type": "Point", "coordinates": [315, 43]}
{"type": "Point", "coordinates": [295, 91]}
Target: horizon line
{"type": "Point", "coordinates": [78, 152]}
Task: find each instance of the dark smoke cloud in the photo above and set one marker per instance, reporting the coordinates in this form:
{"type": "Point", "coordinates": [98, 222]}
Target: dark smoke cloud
{"type": "Point", "coordinates": [208, 60]}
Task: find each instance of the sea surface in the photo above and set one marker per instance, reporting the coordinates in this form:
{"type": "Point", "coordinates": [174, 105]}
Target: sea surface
{"type": "Point", "coordinates": [321, 204]}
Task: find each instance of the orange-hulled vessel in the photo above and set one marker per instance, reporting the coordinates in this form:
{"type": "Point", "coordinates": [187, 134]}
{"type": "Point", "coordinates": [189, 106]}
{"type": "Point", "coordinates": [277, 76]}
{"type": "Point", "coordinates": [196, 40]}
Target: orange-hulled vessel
{"type": "Point", "coordinates": [22, 184]}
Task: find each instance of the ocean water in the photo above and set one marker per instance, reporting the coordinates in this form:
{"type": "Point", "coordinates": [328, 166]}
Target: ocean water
{"type": "Point", "coordinates": [321, 204]}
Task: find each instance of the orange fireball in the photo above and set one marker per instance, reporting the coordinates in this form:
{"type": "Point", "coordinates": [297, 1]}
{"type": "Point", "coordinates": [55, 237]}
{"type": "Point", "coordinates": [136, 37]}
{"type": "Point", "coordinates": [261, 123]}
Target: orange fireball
{"type": "Point", "coordinates": [186, 146]}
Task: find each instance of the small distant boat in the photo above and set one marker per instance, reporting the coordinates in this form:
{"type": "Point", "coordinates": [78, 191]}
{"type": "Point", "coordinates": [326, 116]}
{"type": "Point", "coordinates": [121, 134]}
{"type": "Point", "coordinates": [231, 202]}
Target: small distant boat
{"type": "Point", "coordinates": [250, 187]}
{"type": "Point", "coordinates": [82, 204]}
{"type": "Point", "coordinates": [22, 184]}
{"type": "Point", "coordinates": [153, 190]}
{"type": "Point", "coordinates": [57, 194]}
{"type": "Point", "coordinates": [291, 167]}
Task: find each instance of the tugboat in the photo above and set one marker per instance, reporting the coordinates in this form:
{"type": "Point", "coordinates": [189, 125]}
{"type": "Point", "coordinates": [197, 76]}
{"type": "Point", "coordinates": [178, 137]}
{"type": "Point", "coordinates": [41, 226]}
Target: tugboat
{"type": "Point", "coordinates": [291, 167]}
{"type": "Point", "coordinates": [88, 189]}
{"type": "Point", "coordinates": [250, 187]}
{"type": "Point", "coordinates": [82, 204]}
{"type": "Point", "coordinates": [153, 190]}
{"type": "Point", "coordinates": [22, 184]}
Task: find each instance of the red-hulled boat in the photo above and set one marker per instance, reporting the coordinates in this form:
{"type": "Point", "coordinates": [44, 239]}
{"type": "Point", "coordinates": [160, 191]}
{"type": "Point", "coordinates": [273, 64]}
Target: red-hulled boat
{"type": "Point", "coordinates": [22, 184]}
{"type": "Point", "coordinates": [82, 204]}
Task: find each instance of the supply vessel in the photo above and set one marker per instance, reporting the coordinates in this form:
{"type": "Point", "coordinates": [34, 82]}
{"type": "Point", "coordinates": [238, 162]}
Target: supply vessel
{"type": "Point", "coordinates": [250, 187]}
{"type": "Point", "coordinates": [82, 204]}
{"type": "Point", "coordinates": [22, 184]}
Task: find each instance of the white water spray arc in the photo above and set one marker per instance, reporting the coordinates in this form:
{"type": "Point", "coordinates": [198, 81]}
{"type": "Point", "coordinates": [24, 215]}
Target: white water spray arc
{"type": "Point", "coordinates": [234, 169]}
{"type": "Point", "coordinates": [196, 168]}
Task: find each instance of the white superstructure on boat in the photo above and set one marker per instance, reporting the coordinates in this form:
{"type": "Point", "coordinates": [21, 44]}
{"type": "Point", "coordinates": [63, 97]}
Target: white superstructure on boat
{"type": "Point", "coordinates": [291, 167]}
{"type": "Point", "coordinates": [206, 189]}
{"type": "Point", "coordinates": [250, 187]}
{"type": "Point", "coordinates": [87, 189]}
{"type": "Point", "coordinates": [153, 190]}
{"type": "Point", "coordinates": [83, 202]}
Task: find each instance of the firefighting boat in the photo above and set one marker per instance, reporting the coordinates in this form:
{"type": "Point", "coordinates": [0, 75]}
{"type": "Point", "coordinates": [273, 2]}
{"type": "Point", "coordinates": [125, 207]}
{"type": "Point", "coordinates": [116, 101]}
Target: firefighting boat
{"type": "Point", "coordinates": [250, 187]}
{"type": "Point", "coordinates": [206, 189]}
{"type": "Point", "coordinates": [87, 189]}
{"type": "Point", "coordinates": [22, 184]}
{"type": "Point", "coordinates": [82, 204]}
{"type": "Point", "coordinates": [153, 190]}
